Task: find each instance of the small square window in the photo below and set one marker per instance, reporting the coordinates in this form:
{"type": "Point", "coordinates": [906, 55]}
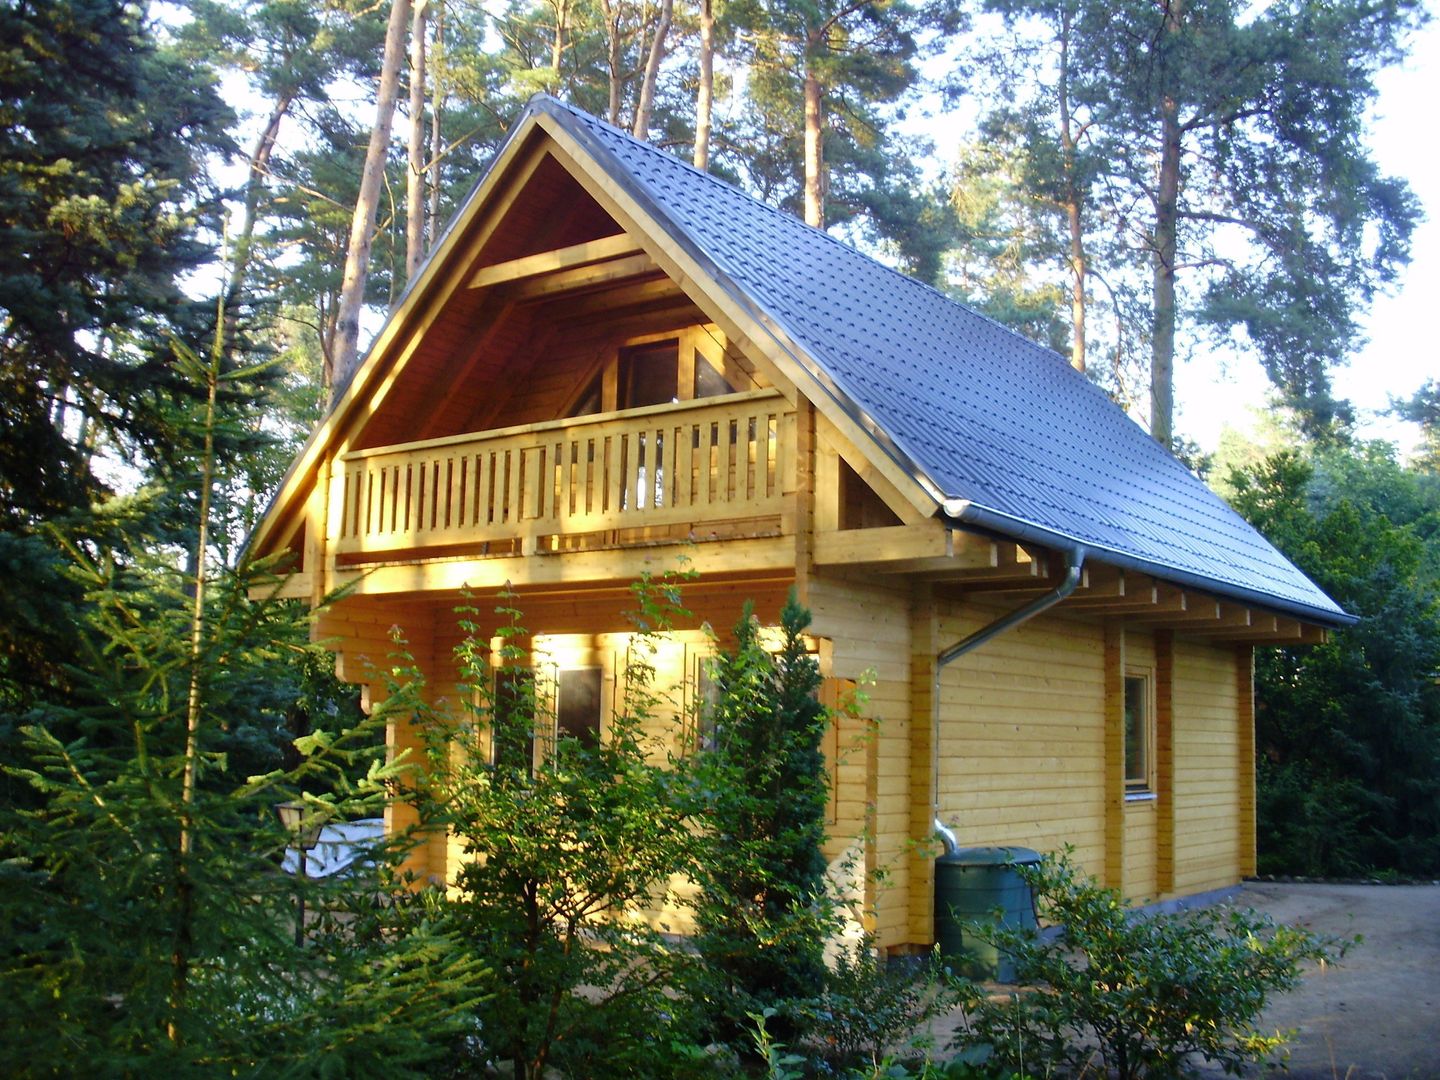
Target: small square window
{"type": "Point", "coordinates": [577, 705]}
{"type": "Point", "coordinates": [1137, 733]}
{"type": "Point", "coordinates": [512, 721]}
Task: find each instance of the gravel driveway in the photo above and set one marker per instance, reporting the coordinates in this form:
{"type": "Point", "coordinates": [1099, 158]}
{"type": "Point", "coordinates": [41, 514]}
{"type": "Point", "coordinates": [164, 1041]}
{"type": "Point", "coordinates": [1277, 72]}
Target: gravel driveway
{"type": "Point", "coordinates": [1376, 1016]}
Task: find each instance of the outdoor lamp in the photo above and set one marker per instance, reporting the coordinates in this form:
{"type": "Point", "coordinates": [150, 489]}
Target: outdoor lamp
{"type": "Point", "coordinates": [304, 836]}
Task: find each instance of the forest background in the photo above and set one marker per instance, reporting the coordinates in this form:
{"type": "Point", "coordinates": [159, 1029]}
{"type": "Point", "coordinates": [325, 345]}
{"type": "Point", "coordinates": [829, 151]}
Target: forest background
{"type": "Point", "coordinates": [203, 207]}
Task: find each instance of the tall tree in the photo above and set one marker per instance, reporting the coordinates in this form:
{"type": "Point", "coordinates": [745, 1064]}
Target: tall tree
{"type": "Point", "coordinates": [1039, 139]}
{"type": "Point", "coordinates": [1235, 171]}
{"type": "Point", "coordinates": [362, 222]}
{"type": "Point", "coordinates": [705, 85]}
{"type": "Point", "coordinates": [654, 57]}
{"type": "Point", "coordinates": [416, 171]}
{"type": "Point", "coordinates": [101, 177]}
{"type": "Point", "coordinates": [289, 52]}
{"type": "Point", "coordinates": [825, 75]}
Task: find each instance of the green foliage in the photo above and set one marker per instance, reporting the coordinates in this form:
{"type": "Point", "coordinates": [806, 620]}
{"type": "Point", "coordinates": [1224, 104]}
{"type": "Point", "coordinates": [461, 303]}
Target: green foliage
{"type": "Point", "coordinates": [103, 137]}
{"type": "Point", "coordinates": [1143, 993]}
{"type": "Point", "coordinates": [134, 954]}
{"type": "Point", "coordinates": [1348, 732]}
{"type": "Point", "coordinates": [871, 1009]}
{"type": "Point", "coordinates": [562, 854]}
{"type": "Point", "coordinates": [765, 908]}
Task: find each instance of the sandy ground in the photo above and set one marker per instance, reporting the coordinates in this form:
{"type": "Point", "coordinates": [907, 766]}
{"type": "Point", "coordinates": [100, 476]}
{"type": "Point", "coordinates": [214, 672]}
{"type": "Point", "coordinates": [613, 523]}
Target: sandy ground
{"type": "Point", "coordinates": [1376, 1016]}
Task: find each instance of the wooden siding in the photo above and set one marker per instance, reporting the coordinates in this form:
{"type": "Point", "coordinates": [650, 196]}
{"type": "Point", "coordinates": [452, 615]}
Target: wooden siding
{"type": "Point", "coordinates": [867, 626]}
{"type": "Point", "coordinates": [1207, 766]}
{"type": "Point", "coordinates": [1021, 734]}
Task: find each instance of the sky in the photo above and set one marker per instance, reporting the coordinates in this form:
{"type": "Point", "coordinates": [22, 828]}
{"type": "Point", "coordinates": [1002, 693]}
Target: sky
{"type": "Point", "coordinates": [1404, 347]}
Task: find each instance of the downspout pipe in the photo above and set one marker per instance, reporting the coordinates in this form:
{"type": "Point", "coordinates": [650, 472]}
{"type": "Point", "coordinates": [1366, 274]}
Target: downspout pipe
{"type": "Point", "coordinates": [1074, 565]}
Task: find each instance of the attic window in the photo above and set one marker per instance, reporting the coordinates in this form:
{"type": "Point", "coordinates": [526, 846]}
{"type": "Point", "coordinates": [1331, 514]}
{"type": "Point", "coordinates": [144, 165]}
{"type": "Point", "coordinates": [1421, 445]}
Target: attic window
{"type": "Point", "coordinates": [649, 374]}
{"type": "Point", "coordinates": [592, 400]}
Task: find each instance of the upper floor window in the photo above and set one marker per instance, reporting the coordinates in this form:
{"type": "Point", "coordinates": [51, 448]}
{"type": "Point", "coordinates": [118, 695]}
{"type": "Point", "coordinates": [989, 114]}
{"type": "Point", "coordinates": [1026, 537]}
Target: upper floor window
{"type": "Point", "coordinates": [649, 374]}
{"type": "Point", "coordinates": [659, 369]}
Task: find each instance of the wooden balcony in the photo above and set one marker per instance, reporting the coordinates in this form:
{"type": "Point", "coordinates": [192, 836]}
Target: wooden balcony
{"type": "Point", "coordinates": [712, 468]}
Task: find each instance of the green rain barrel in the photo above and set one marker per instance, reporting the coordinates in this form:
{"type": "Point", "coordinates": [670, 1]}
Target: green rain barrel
{"type": "Point", "coordinates": [972, 886]}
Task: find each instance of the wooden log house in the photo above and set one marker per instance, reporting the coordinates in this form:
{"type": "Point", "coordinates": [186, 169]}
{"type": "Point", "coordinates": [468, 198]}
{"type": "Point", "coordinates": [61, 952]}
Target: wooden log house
{"type": "Point", "coordinates": [612, 360]}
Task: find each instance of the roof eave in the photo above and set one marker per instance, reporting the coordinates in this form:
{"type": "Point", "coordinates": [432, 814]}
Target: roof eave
{"type": "Point", "coordinates": [965, 512]}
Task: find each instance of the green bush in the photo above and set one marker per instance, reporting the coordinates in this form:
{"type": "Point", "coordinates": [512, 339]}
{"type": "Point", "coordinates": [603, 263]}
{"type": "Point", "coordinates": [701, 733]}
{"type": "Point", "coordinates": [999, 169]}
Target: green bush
{"type": "Point", "coordinates": [1143, 993]}
{"type": "Point", "coordinates": [871, 1008]}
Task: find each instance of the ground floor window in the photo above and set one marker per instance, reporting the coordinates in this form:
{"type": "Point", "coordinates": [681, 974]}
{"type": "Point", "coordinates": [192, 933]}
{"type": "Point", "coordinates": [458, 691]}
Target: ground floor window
{"type": "Point", "coordinates": [577, 705]}
{"type": "Point", "coordinates": [1139, 737]}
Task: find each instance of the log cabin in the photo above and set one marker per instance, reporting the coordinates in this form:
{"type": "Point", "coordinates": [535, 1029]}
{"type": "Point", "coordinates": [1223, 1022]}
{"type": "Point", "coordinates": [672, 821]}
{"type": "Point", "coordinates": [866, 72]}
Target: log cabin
{"type": "Point", "coordinates": [611, 361]}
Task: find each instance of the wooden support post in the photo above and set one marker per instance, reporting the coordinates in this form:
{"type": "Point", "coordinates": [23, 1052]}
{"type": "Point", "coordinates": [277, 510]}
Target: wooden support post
{"type": "Point", "coordinates": [1164, 763]}
{"type": "Point", "coordinates": [804, 498]}
{"type": "Point", "coordinates": [924, 646]}
{"type": "Point", "coordinates": [1245, 695]}
{"type": "Point", "coordinates": [316, 560]}
{"type": "Point", "coordinates": [1114, 772]}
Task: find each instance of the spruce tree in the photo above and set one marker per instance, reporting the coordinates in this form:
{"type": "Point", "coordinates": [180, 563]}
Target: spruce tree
{"type": "Point", "coordinates": [766, 911]}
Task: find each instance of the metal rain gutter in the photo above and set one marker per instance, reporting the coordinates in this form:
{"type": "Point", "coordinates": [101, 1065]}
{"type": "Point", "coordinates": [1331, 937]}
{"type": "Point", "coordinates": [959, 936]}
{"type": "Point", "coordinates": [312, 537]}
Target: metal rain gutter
{"type": "Point", "coordinates": [1074, 564]}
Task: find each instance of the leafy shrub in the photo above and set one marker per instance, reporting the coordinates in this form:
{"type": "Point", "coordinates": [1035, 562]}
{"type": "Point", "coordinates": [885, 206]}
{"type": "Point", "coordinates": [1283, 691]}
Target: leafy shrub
{"type": "Point", "coordinates": [1143, 992]}
{"type": "Point", "coordinates": [871, 1008]}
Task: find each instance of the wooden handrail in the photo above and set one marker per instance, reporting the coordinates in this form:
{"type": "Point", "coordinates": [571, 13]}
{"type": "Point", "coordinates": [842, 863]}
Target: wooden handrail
{"type": "Point", "coordinates": [565, 424]}
{"type": "Point", "coordinates": [716, 459]}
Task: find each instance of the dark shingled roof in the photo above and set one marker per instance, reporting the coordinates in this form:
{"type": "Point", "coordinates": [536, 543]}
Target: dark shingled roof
{"type": "Point", "coordinates": [1005, 431]}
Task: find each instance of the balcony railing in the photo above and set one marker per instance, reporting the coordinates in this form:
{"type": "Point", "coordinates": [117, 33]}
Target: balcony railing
{"type": "Point", "coordinates": [689, 463]}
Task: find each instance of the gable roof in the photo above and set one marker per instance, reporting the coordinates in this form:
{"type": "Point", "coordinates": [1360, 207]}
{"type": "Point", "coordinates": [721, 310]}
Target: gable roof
{"type": "Point", "coordinates": [1001, 433]}
{"type": "Point", "coordinates": [1007, 434]}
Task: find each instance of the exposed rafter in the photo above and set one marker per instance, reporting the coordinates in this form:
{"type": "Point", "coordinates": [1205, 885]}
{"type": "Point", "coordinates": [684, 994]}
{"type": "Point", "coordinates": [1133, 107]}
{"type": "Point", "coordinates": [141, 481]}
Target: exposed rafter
{"type": "Point", "coordinates": [550, 262]}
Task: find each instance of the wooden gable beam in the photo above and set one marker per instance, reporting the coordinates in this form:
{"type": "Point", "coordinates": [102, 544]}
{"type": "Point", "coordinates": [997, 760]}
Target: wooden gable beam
{"type": "Point", "coordinates": [903, 548]}
{"type": "Point", "coordinates": [977, 560]}
{"type": "Point", "coordinates": [550, 262]}
{"type": "Point", "coordinates": [615, 301]}
{"type": "Point", "coordinates": [595, 276]}
{"type": "Point", "coordinates": [742, 326]}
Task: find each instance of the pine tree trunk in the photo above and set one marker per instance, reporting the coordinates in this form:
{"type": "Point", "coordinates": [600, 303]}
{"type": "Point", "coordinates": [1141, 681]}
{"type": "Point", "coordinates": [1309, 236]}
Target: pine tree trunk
{"type": "Point", "coordinates": [1165, 248]}
{"type": "Point", "coordinates": [415, 174]}
{"type": "Point", "coordinates": [814, 152]}
{"type": "Point", "coordinates": [1078, 271]}
{"type": "Point", "coordinates": [653, 61]}
{"type": "Point", "coordinates": [437, 144]}
{"type": "Point", "coordinates": [362, 223]}
{"type": "Point", "coordinates": [614, 78]}
{"type": "Point", "coordinates": [704, 96]}
{"type": "Point", "coordinates": [1073, 206]}
{"type": "Point", "coordinates": [557, 43]}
